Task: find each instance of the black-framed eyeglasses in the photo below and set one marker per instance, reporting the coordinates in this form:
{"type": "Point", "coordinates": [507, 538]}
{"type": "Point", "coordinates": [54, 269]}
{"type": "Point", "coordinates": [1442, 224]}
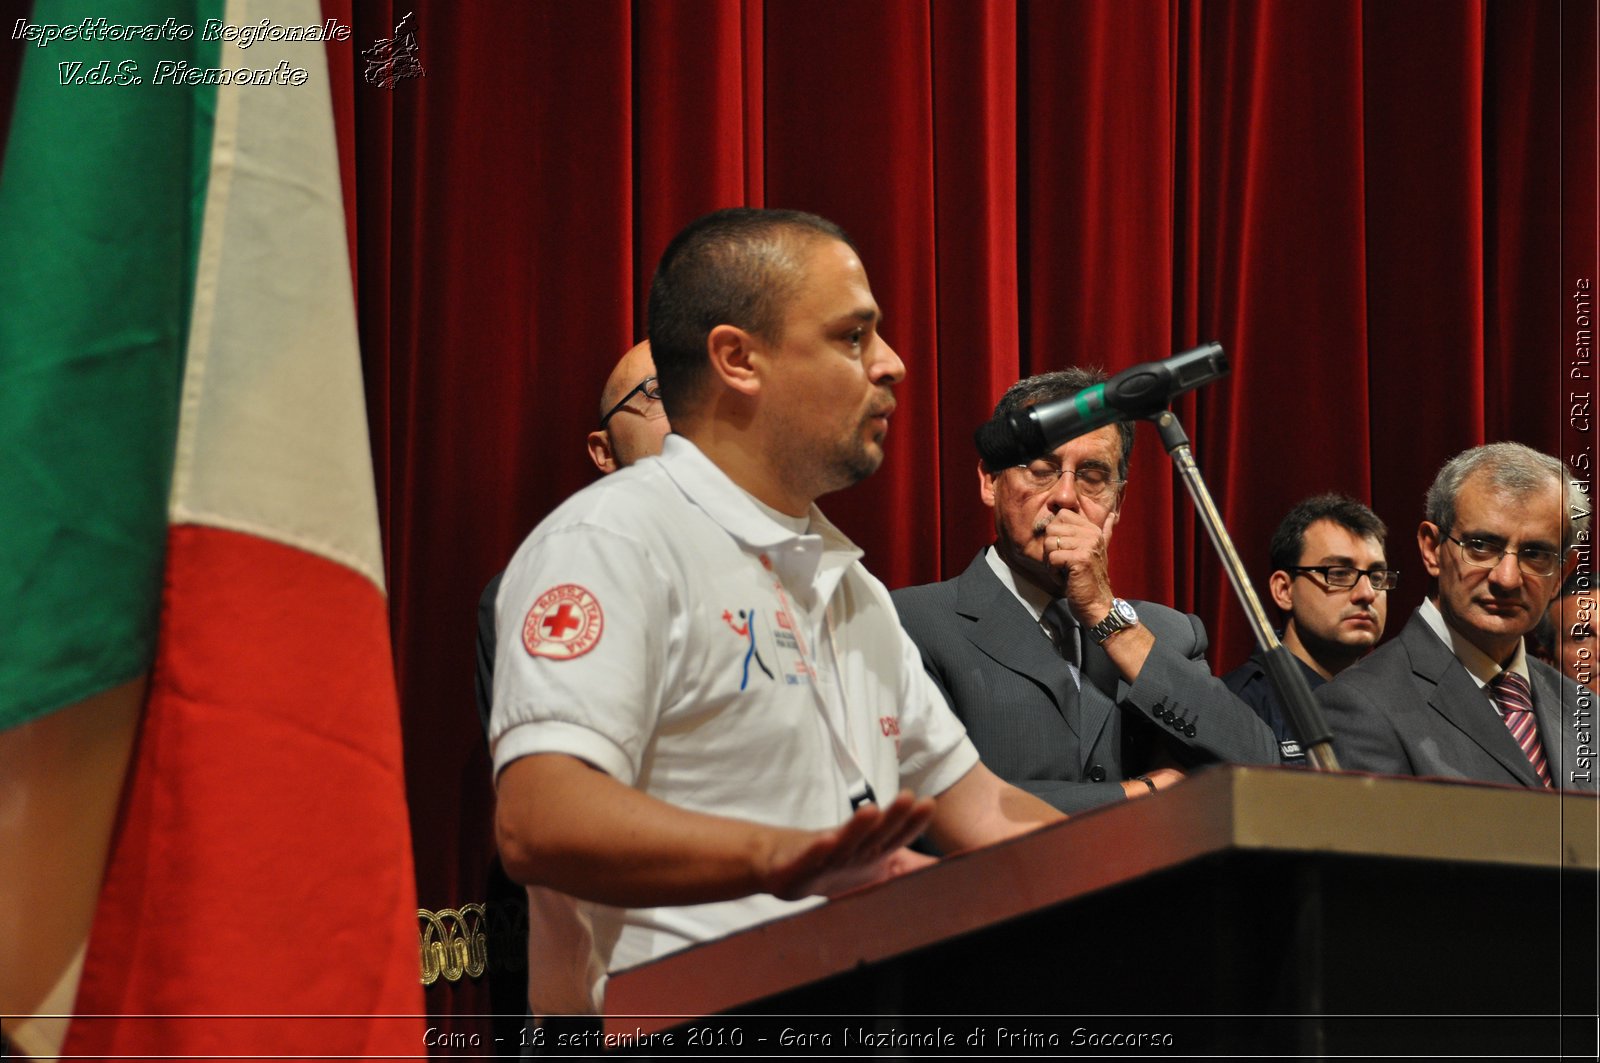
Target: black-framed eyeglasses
{"type": "Point", "coordinates": [1343, 577]}
{"type": "Point", "coordinates": [1486, 553]}
{"type": "Point", "coordinates": [648, 387]}
{"type": "Point", "coordinates": [1092, 481]}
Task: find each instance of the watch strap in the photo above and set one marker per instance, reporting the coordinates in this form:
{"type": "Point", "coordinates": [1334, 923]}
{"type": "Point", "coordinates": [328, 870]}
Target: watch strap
{"type": "Point", "coordinates": [1113, 621]}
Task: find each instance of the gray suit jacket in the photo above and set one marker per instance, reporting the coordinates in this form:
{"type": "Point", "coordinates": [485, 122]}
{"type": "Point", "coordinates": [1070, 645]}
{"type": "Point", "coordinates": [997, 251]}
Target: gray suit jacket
{"type": "Point", "coordinates": [1032, 725]}
{"type": "Point", "coordinates": [1411, 708]}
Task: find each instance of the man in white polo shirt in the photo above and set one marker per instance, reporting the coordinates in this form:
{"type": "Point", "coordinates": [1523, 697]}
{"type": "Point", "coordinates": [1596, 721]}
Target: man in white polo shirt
{"type": "Point", "coordinates": [706, 714]}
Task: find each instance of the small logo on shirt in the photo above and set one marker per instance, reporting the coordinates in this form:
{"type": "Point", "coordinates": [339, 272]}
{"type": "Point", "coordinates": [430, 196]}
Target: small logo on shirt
{"type": "Point", "coordinates": [564, 623]}
{"type": "Point", "coordinates": [890, 726]}
{"type": "Point", "coordinates": [746, 630]}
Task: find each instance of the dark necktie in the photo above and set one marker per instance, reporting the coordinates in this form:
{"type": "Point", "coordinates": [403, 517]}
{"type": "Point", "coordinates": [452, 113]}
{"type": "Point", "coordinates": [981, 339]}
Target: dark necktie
{"type": "Point", "coordinates": [1510, 692]}
{"type": "Point", "coordinates": [1063, 630]}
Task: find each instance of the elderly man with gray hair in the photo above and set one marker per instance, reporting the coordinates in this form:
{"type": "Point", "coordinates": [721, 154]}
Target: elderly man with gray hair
{"type": "Point", "coordinates": [1457, 695]}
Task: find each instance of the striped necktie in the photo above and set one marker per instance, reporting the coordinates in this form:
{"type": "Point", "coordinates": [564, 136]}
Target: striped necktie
{"type": "Point", "coordinates": [1515, 701]}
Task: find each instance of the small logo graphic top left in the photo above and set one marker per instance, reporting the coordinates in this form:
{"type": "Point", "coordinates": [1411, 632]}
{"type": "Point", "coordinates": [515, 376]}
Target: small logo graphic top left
{"type": "Point", "coordinates": [394, 59]}
{"type": "Point", "coordinates": [565, 622]}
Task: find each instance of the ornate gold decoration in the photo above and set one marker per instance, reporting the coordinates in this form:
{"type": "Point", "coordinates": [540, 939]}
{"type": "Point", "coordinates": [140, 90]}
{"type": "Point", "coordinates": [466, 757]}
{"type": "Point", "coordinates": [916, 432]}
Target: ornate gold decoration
{"type": "Point", "coordinates": [452, 943]}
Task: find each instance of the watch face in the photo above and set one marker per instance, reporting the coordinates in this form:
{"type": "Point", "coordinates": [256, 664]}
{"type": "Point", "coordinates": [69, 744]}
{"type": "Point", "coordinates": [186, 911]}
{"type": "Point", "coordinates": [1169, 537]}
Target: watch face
{"type": "Point", "coordinates": [1124, 610]}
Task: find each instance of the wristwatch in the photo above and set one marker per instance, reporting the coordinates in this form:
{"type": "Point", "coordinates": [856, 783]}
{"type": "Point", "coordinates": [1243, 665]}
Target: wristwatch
{"type": "Point", "coordinates": [1121, 616]}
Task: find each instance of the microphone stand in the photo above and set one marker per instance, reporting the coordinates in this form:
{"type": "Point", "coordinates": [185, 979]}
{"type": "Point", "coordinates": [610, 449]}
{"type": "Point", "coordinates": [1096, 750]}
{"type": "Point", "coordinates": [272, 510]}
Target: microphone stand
{"type": "Point", "coordinates": [1305, 715]}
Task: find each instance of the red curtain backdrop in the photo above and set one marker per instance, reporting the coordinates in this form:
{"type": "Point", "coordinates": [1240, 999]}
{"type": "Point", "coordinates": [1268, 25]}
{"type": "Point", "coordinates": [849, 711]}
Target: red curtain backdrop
{"type": "Point", "coordinates": [1364, 202]}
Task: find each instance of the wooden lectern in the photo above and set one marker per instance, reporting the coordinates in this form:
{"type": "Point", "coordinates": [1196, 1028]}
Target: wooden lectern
{"type": "Point", "coordinates": [1245, 911]}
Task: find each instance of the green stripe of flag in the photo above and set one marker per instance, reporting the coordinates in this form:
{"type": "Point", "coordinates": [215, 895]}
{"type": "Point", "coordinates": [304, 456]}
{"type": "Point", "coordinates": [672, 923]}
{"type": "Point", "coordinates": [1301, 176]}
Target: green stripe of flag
{"type": "Point", "coordinates": [101, 190]}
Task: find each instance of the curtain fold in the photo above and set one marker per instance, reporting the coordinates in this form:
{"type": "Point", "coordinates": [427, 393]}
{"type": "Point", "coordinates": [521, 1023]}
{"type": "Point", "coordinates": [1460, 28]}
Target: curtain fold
{"type": "Point", "coordinates": [1282, 273]}
{"type": "Point", "coordinates": [1426, 221]}
{"type": "Point", "coordinates": [978, 312]}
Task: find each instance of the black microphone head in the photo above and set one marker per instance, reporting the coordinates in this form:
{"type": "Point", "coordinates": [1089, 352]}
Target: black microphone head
{"type": "Point", "coordinates": [995, 444]}
{"type": "Point", "coordinates": [1004, 441]}
{"type": "Point", "coordinates": [1136, 392]}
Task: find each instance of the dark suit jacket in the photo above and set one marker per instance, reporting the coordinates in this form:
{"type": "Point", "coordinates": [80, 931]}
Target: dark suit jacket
{"type": "Point", "coordinates": [483, 679]}
{"type": "Point", "coordinates": [1254, 687]}
{"type": "Point", "coordinates": [1411, 708]}
{"type": "Point", "coordinates": [1031, 724]}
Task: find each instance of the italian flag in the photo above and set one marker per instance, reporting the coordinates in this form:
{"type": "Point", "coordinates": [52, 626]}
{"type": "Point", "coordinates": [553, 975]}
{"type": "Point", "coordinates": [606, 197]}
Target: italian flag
{"type": "Point", "coordinates": [204, 845]}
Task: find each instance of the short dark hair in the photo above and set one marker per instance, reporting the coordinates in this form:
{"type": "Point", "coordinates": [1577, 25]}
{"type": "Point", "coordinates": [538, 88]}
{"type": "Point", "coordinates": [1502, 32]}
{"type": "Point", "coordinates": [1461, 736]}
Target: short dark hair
{"type": "Point", "coordinates": [737, 266]}
{"type": "Point", "coordinates": [1517, 469]}
{"type": "Point", "coordinates": [1289, 541]}
{"type": "Point", "coordinates": [1058, 384]}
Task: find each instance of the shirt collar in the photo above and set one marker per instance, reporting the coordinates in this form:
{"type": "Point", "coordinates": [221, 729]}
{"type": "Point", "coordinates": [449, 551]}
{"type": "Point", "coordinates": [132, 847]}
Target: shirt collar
{"type": "Point", "coordinates": [798, 546]}
{"type": "Point", "coordinates": [1033, 598]}
{"type": "Point", "coordinates": [1479, 665]}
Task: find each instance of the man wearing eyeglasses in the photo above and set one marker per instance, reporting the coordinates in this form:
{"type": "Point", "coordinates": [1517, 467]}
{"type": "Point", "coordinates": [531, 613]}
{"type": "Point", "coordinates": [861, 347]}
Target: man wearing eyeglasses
{"type": "Point", "coordinates": [1068, 691]}
{"type": "Point", "coordinates": [1457, 695]}
{"type": "Point", "coordinates": [1331, 581]}
{"type": "Point", "coordinates": [633, 423]}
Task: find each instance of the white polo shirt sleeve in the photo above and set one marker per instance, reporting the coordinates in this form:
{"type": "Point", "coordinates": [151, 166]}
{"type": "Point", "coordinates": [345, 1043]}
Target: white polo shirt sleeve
{"type": "Point", "coordinates": [576, 670]}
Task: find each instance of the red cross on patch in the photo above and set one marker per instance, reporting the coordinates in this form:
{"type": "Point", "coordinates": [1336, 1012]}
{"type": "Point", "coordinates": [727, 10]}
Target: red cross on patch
{"type": "Point", "coordinates": [563, 619]}
{"type": "Point", "coordinates": [564, 623]}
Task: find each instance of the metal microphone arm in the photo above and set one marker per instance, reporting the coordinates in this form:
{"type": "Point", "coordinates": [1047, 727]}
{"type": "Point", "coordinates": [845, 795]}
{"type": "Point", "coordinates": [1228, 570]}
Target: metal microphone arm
{"type": "Point", "coordinates": [1305, 715]}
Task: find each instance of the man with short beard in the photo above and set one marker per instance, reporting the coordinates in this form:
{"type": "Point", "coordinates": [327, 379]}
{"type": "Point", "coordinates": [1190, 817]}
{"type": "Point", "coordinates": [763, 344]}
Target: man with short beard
{"type": "Point", "coordinates": [1331, 582]}
{"type": "Point", "coordinates": [1067, 690]}
{"type": "Point", "coordinates": [706, 714]}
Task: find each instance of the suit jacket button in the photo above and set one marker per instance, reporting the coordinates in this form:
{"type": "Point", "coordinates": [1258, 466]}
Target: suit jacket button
{"type": "Point", "coordinates": [1189, 730]}
{"type": "Point", "coordinates": [1097, 774]}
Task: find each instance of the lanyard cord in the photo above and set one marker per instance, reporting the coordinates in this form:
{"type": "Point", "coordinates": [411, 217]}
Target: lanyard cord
{"type": "Point", "coordinates": [859, 788]}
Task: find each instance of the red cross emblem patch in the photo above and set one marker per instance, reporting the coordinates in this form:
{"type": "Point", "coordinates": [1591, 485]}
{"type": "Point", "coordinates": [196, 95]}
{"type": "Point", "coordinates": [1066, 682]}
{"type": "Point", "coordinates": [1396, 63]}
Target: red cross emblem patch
{"type": "Point", "coordinates": [564, 623]}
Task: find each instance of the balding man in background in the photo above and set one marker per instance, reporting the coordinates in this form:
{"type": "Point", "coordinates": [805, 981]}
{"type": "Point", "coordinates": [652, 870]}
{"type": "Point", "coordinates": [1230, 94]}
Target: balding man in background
{"type": "Point", "coordinates": [632, 420]}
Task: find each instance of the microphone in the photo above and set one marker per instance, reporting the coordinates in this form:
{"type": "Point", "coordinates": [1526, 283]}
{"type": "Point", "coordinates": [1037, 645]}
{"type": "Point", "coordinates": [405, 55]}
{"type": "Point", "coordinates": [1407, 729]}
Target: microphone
{"type": "Point", "coordinates": [1139, 391]}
